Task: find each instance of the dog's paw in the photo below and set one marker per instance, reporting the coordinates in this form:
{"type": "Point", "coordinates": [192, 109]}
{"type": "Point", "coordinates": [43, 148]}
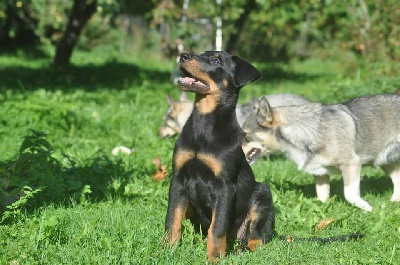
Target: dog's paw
{"type": "Point", "coordinates": [363, 205]}
{"type": "Point", "coordinates": [395, 198]}
{"type": "Point", "coordinates": [323, 197]}
{"type": "Point", "coordinates": [357, 201]}
{"type": "Point", "coordinates": [254, 243]}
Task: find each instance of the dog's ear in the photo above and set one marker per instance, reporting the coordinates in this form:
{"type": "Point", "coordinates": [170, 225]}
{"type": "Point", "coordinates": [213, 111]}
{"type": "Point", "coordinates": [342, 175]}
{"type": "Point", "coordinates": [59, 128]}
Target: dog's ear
{"type": "Point", "coordinates": [264, 113]}
{"type": "Point", "coordinates": [256, 103]}
{"type": "Point", "coordinates": [170, 100]}
{"type": "Point", "coordinates": [244, 72]}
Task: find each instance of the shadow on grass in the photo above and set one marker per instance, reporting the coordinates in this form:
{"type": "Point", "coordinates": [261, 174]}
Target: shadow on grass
{"type": "Point", "coordinates": [111, 75]}
{"type": "Point", "coordinates": [377, 186]}
{"type": "Point", "coordinates": [273, 73]}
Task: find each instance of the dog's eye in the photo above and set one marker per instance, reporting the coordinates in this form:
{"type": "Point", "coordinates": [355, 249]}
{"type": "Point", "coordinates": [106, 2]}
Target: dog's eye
{"type": "Point", "coordinates": [246, 137]}
{"type": "Point", "coordinates": [215, 61]}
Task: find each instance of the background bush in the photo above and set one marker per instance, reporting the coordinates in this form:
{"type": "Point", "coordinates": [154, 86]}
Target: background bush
{"type": "Point", "coordinates": [275, 30]}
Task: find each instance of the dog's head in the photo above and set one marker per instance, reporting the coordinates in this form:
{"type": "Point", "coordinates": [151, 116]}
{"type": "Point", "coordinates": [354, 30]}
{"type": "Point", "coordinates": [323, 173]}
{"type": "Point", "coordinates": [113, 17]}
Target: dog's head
{"type": "Point", "coordinates": [176, 116]}
{"type": "Point", "coordinates": [259, 136]}
{"type": "Point", "coordinates": [215, 76]}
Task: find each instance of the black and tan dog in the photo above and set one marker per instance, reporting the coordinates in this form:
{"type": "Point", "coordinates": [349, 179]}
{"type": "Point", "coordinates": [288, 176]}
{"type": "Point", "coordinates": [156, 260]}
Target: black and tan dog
{"type": "Point", "coordinates": [212, 183]}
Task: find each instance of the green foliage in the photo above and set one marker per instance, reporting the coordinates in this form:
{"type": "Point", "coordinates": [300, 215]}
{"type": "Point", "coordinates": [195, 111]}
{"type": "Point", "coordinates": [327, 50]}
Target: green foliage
{"type": "Point", "coordinates": [36, 168]}
{"type": "Point", "coordinates": [290, 28]}
{"type": "Point", "coordinates": [14, 210]}
{"type": "Point", "coordinates": [276, 30]}
{"type": "Point", "coordinates": [48, 19]}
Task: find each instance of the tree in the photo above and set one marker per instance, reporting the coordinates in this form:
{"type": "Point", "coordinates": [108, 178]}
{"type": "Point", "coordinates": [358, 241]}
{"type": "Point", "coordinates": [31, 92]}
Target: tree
{"type": "Point", "coordinates": [81, 12]}
{"type": "Point", "coordinates": [249, 6]}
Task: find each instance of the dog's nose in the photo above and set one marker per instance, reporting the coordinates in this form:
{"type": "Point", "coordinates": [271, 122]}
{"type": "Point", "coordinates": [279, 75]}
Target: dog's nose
{"type": "Point", "coordinates": [185, 57]}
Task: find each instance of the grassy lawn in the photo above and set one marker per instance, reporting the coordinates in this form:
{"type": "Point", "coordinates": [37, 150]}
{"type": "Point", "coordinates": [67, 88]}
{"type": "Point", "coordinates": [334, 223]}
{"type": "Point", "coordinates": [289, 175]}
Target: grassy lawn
{"type": "Point", "coordinates": [58, 128]}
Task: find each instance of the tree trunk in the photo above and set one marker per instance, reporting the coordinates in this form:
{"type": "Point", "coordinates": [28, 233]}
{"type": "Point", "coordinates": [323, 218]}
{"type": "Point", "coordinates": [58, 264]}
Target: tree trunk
{"type": "Point", "coordinates": [239, 23]}
{"type": "Point", "coordinates": [81, 12]}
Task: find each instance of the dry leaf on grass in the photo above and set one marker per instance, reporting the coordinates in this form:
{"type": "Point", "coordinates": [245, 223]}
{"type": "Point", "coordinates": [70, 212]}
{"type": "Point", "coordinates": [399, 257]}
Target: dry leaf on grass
{"type": "Point", "coordinates": [161, 171]}
{"type": "Point", "coordinates": [289, 239]}
{"type": "Point", "coordinates": [324, 224]}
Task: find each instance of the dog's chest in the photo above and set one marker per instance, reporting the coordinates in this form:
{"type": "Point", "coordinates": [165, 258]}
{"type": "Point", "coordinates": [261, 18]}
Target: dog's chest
{"type": "Point", "coordinates": [312, 163]}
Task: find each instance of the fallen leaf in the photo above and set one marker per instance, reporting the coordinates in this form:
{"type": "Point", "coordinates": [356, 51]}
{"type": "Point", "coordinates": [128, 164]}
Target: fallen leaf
{"type": "Point", "coordinates": [324, 224]}
{"type": "Point", "coordinates": [161, 171]}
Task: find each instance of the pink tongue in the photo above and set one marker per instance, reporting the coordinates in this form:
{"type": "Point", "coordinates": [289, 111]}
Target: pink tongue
{"type": "Point", "coordinates": [188, 80]}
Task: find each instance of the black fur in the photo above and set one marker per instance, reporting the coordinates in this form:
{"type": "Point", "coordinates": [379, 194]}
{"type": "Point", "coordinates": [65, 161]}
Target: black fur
{"type": "Point", "coordinates": [212, 183]}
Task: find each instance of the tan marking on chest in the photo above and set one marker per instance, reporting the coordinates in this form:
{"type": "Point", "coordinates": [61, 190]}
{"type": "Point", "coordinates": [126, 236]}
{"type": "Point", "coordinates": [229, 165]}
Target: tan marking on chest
{"type": "Point", "coordinates": [182, 157]}
{"type": "Point", "coordinates": [212, 162]}
{"type": "Point", "coordinates": [206, 104]}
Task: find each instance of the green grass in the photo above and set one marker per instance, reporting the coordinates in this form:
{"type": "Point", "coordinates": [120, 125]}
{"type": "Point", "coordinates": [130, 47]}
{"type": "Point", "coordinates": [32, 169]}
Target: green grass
{"type": "Point", "coordinates": [116, 212]}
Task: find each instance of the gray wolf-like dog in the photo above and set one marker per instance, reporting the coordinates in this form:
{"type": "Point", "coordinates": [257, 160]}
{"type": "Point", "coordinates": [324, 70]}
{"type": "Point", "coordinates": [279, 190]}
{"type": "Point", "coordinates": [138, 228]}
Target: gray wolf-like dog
{"type": "Point", "coordinates": [178, 111]}
{"type": "Point", "coordinates": [323, 138]}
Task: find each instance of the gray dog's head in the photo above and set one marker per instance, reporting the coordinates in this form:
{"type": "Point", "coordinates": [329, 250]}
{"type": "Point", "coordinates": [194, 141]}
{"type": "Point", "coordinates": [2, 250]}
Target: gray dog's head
{"type": "Point", "coordinates": [258, 137]}
{"type": "Point", "coordinates": [176, 116]}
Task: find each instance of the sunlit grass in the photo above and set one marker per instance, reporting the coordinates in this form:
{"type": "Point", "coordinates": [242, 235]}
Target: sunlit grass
{"type": "Point", "coordinates": [108, 101]}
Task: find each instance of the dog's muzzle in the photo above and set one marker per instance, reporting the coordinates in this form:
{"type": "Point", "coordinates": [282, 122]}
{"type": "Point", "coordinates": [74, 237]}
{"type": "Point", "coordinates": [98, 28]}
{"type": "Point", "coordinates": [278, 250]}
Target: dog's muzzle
{"type": "Point", "coordinates": [253, 155]}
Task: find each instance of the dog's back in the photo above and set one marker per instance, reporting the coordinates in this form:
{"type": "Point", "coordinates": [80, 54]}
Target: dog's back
{"type": "Point", "coordinates": [243, 111]}
{"type": "Point", "coordinates": [377, 123]}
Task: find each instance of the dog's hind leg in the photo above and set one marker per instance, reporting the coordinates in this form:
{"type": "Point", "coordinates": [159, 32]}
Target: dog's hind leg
{"type": "Point", "coordinates": [351, 178]}
{"type": "Point", "coordinates": [322, 187]}
{"type": "Point", "coordinates": [261, 218]}
{"type": "Point", "coordinates": [394, 172]}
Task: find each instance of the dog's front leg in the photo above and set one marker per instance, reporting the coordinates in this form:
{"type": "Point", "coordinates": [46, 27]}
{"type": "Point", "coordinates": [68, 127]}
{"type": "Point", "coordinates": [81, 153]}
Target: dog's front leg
{"type": "Point", "coordinates": [177, 207]}
{"type": "Point", "coordinates": [394, 172]}
{"type": "Point", "coordinates": [351, 178]}
{"type": "Point", "coordinates": [217, 233]}
{"type": "Point", "coordinates": [322, 187]}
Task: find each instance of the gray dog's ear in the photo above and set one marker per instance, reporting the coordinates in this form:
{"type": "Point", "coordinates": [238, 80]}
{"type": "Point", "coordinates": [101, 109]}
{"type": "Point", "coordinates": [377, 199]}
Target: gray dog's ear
{"type": "Point", "coordinates": [264, 113]}
{"type": "Point", "coordinates": [256, 103]}
{"type": "Point", "coordinates": [170, 100]}
{"type": "Point", "coordinates": [244, 72]}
